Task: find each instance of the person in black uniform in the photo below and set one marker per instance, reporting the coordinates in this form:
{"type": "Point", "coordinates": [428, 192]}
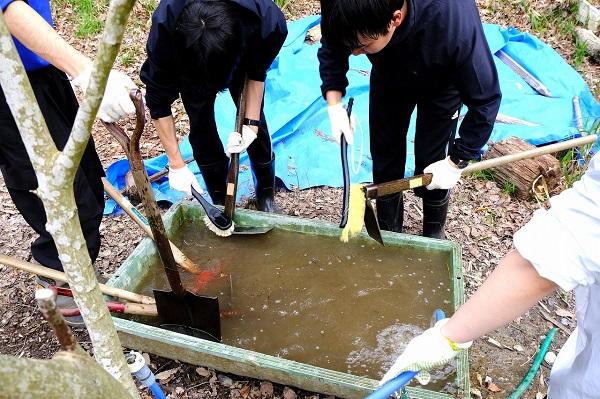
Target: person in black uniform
{"type": "Point", "coordinates": [48, 59]}
{"type": "Point", "coordinates": [197, 48]}
{"type": "Point", "coordinates": [428, 54]}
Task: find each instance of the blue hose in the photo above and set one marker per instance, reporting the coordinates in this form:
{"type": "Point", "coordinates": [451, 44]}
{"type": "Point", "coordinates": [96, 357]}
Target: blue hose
{"type": "Point", "coordinates": [139, 368]}
{"type": "Point", "coordinates": [158, 393]}
{"type": "Point", "coordinates": [397, 383]}
{"type": "Point", "coordinates": [393, 385]}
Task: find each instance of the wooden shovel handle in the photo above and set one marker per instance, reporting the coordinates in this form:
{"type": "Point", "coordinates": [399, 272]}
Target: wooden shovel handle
{"type": "Point", "coordinates": [60, 276]}
{"type": "Point", "coordinates": [380, 189]}
{"type": "Point", "coordinates": [183, 261]}
{"type": "Point", "coordinates": [140, 176]}
{"type": "Point", "coordinates": [234, 163]}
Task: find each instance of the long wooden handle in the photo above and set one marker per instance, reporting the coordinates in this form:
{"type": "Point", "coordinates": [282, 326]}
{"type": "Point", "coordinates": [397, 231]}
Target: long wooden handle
{"type": "Point", "coordinates": [139, 309]}
{"type": "Point", "coordinates": [180, 258]}
{"type": "Point", "coordinates": [60, 276]}
{"type": "Point", "coordinates": [380, 189]}
{"type": "Point", "coordinates": [234, 163]}
{"type": "Point", "coordinates": [140, 176]}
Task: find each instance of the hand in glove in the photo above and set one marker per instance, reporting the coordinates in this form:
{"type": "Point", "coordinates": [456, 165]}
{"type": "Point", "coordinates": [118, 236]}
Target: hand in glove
{"type": "Point", "coordinates": [424, 352]}
{"type": "Point", "coordinates": [182, 179]}
{"type": "Point", "coordinates": [116, 102]}
{"type": "Point", "coordinates": [340, 123]}
{"type": "Point", "coordinates": [445, 175]}
{"type": "Point", "coordinates": [240, 142]}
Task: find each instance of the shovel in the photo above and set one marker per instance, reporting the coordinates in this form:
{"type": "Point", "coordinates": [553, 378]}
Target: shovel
{"type": "Point", "coordinates": [60, 276]}
{"type": "Point", "coordinates": [178, 310]}
{"type": "Point", "coordinates": [137, 303]}
{"type": "Point", "coordinates": [234, 165]}
{"type": "Point", "coordinates": [139, 309]}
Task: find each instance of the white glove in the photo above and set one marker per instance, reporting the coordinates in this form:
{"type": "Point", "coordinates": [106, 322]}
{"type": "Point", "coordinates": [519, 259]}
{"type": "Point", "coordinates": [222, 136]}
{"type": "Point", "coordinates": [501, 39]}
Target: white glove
{"type": "Point", "coordinates": [240, 142]}
{"type": "Point", "coordinates": [182, 179]}
{"type": "Point", "coordinates": [424, 352]}
{"type": "Point", "coordinates": [445, 176]}
{"type": "Point", "coordinates": [116, 102]}
{"type": "Point", "coordinates": [340, 123]}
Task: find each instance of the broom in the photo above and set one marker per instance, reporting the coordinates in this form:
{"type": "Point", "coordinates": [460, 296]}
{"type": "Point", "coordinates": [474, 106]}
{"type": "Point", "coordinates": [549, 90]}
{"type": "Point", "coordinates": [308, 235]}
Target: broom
{"type": "Point", "coordinates": [352, 212]}
{"type": "Point", "coordinates": [221, 223]}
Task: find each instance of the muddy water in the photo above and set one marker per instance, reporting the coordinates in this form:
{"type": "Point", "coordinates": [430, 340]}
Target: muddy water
{"type": "Point", "coordinates": [313, 299]}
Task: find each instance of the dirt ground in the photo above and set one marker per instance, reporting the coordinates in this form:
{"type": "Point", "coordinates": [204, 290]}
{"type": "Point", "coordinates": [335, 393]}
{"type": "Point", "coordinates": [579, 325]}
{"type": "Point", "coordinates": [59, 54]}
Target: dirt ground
{"type": "Point", "coordinates": [482, 219]}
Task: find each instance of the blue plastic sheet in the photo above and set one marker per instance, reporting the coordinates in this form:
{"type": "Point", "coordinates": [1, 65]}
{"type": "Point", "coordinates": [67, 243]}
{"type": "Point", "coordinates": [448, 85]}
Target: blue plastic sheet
{"type": "Point", "coordinates": [307, 156]}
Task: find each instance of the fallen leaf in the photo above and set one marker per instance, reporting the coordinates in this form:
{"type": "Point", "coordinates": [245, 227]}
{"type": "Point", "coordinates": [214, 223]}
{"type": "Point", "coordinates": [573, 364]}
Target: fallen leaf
{"type": "Point", "coordinates": [245, 391]}
{"type": "Point", "coordinates": [479, 379]}
{"type": "Point", "coordinates": [542, 378]}
{"type": "Point", "coordinates": [289, 393]}
{"type": "Point", "coordinates": [266, 389]}
{"type": "Point", "coordinates": [202, 371]}
{"type": "Point", "coordinates": [493, 387]}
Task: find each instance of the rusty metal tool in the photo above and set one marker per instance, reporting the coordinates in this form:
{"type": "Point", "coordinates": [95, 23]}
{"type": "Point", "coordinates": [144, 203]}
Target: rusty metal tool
{"type": "Point", "coordinates": [178, 309]}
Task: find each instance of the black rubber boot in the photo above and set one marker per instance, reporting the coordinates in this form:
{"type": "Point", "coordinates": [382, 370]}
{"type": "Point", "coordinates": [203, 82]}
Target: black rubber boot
{"type": "Point", "coordinates": [390, 212]}
{"type": "Point", "coordinates": [434, 217]}
{"type": "Point", "coordinates": [264, 185]}
{"type": "Point", "coordinates": [215, 177]}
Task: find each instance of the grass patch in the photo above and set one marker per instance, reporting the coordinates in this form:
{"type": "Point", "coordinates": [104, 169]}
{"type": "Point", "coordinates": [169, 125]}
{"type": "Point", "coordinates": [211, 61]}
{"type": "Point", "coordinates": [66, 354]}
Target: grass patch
{"type": "Point", "coordinates": [283, 4]}
{"type": "Point", "coordinates": [89, 16]}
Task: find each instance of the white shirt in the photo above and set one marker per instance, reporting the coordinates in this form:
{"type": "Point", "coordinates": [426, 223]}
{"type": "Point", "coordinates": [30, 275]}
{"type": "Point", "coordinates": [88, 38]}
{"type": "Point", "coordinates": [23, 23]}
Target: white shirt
{"type": "Point", "coordinates": [563, 244]}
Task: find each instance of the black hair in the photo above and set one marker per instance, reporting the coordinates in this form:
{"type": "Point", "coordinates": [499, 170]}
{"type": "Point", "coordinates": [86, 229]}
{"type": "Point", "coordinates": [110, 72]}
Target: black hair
{"type": "Point", "coordinates": [208, 43]}
{"type": "Point", "coordinates": [345, 20]}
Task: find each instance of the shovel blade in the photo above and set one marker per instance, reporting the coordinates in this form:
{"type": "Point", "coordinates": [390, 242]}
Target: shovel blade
{"type": "Point", "coordinates": [371, 223]}
{"type": "Point", "coordinates": [251, 230]}
{"type": "Point", "coordinates": [189, 314]}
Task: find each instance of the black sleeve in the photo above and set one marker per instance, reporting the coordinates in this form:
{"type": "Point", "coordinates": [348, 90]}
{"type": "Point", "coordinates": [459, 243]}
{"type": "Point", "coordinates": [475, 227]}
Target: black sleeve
{"type": "Point", "coordinates": [267, 41]}
{"type": "Point", "coordinates": [477, 81]}
{"type": "Point", "coordinates": [159, 72]}
{"type": "Point", "coordinates": [333, 66]}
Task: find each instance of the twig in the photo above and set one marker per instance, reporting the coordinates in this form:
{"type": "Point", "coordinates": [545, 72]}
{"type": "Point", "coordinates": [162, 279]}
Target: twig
{"type": "Point", "coordinates": [544, 307]}
{"type": "Point", "coordinates": [552, 320]}
{"type": "Point", "coordinates": [46, 300]}
{"type": "Point", "coordinates": [474, 277]}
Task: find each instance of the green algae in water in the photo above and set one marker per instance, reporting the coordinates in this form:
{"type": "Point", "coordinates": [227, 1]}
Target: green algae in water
{"type": "Point", "coordinates": [350, 307]}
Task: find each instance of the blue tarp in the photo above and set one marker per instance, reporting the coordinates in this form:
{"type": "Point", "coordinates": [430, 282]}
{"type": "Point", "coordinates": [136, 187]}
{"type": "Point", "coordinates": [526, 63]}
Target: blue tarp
{"type": "Point", "coordinates": [306, 155]}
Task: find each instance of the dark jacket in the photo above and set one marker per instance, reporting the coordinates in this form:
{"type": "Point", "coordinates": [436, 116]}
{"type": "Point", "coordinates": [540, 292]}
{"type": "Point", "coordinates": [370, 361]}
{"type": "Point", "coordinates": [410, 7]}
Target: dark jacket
{"type": "Point", "coordinates": [439, 43]}
{"type": "Point", "coordinates": [265, 31]}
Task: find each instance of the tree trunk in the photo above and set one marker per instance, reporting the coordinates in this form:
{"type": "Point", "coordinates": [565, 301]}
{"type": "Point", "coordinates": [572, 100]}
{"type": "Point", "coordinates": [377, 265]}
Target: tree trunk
{"type": "Point", "coordinates": [55, 171]}
{"type": "Point", "coordinates": [66, 375]}
{"type": "Point", "coordinates": [525, 172]}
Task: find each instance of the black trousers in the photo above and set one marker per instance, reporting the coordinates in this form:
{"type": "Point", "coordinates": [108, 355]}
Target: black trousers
{"type": "Point", "coordinates": [390, 111]}
{"type": "Point", "coordinates": [58, 105]}
{"type": "Point", "coordinates": [204, 137]}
